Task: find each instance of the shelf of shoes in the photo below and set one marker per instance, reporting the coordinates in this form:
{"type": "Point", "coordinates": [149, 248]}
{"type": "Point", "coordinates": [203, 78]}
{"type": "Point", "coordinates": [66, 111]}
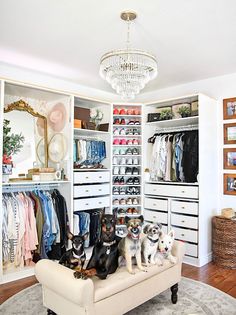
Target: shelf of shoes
{"type": "Point", "coordinates": [126, 160]}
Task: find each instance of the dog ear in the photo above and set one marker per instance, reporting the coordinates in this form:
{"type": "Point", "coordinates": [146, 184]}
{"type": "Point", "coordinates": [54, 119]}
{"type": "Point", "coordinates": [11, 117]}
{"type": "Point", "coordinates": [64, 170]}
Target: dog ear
{"type": "Point", "coordinates": [85, 236]}
{"type": "Point", "coordinates": [102, 212]}
{"type": "Point", "coordinates": [146, 228]}
{"type": "Point", "coordinates": [171, 234]}
{"type": "Point", "coordinates": [127, 219]}
{"type": "Point", "coordinates": [161, 234]}
{"type": "Point", "coordinates": [141, 218]}
{"type": "Point", "coordinates": [159, 225]}
{"type": "Point", "coordinates": [70, 236]}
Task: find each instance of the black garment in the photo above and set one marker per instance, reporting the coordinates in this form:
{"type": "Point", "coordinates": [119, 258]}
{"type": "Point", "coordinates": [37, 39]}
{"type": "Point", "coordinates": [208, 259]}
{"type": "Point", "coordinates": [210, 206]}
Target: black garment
{"type": "Point", "coordinates": [190, 156]}
{"type": "Point", "coordinates": [61, 210]}
{"type": "Point", "coordinates": [94, 227]}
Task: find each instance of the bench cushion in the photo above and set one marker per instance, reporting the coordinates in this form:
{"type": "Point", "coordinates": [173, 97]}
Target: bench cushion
{"type": "Point", "coordinates": [122, 279]}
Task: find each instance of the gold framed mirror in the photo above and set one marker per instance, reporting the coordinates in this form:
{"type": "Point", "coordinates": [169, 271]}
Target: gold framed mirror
{"type": "Point", "coordinates": [24, 107]}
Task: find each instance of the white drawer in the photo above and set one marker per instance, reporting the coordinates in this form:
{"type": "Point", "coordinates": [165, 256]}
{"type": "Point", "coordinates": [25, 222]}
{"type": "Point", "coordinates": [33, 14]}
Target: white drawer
{"type": "Point", "coordinates": [186, 235]}
{"type": "Point", "coordinates": [184, 221]}
{"type": "Point", "coordinates": [184, 207]}
{"type": "Point", "coordinates": [91, 177]}
{"type": "Point", "coordinates": [191, 250]}
{"type": "Point", "coordinates": [91, 190]}
{"type": "Point", "coordinates": [155, 204]}
{"type": "Point", "coordinates": [91, 203]}
{"type": "Point", "coordinates": [155, 216]}
{"type": "Point", "coordinates": [172, 190]}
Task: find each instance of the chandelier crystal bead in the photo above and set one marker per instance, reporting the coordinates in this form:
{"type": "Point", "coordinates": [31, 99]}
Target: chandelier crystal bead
{"type": "Point", "coordinates": [128, 70]}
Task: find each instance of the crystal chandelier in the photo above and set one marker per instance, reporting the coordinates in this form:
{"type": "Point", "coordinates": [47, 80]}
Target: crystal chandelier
{"type": "Point", "coordinates": [128, 70]}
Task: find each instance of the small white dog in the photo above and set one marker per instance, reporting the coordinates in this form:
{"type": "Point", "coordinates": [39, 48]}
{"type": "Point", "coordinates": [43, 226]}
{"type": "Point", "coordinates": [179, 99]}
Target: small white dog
{"type": "Point", "coordinates": [150, 242]}
{"type": "Point", "coordinates": [165, 244]}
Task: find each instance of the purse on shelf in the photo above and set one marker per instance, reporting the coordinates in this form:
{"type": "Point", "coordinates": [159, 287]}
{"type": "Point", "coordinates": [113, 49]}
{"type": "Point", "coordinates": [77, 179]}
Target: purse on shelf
{"type": "Point", "coordinates": [153, 117]}
{"type": "Point", "coordinates": [88, 125]}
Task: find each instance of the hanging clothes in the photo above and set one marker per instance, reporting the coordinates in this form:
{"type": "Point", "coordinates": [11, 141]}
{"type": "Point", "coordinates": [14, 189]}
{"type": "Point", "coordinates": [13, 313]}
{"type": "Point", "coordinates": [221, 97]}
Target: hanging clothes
{"type": "Point", "coordinates": [174, 156]}
{"type": "Point", "coordinates": [89, 152]}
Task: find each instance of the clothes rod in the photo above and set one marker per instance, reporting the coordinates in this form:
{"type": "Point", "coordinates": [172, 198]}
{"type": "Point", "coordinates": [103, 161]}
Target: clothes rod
{"type": "Point", "coordinates": [81, 137]}
{"type": "Point", "coordinates": [29, 187]}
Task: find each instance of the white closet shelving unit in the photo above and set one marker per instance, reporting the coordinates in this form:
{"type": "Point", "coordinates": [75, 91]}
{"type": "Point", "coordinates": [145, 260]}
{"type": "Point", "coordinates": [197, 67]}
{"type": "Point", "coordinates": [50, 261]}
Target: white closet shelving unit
{"type": "Point", "coordinates": [186, 207]}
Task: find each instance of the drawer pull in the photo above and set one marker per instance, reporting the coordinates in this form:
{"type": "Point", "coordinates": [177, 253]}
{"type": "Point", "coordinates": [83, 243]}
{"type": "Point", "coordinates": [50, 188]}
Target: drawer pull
{"type": "Point", "coordinates": [182, 234]}
{"type": "Point", "coordinates": [154, 190]}
{"type": "Point", "coordinates": [86, 204]}
{"type": "Point", "coordinates": [182, 221]}
{"type": "Point", "coordinates": [183, 207]}
{"type": "Point", "coordinates": [100, 203]}
{"type": "Point", "coordinates": [87, 177]}
{"type": "Point", "coordinates": [154, 204]}
{"type": "Point", "coordinates": [154, 217]}
{"type": "Point", "coordinates": [86, 190]}
{"type": "Point", "coordinates": [100, 189]}
{"type": "Point", "coordinates": [100, 176]}
{"type": "Point", "coordinates": [183, 191]}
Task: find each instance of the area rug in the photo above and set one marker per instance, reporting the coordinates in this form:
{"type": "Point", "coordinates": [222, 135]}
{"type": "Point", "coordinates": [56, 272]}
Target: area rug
{"type": "Point", "coordinates": [194, 298]}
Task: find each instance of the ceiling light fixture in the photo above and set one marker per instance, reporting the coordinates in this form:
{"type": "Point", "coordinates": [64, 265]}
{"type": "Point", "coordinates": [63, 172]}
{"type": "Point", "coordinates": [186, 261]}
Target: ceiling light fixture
{"type": "Point", "coordinates": [128, 70]}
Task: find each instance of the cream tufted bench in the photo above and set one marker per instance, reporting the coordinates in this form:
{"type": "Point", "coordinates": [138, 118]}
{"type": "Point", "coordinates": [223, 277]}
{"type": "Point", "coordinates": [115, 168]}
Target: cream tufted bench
{"type": "Point", "coordinates": [120, 292]}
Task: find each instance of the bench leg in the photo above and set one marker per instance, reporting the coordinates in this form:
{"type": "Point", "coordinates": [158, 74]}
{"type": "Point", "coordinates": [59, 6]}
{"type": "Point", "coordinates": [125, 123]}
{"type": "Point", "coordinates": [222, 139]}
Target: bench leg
{"type": "Point", "coordinates": [174, 296]}
{"type": "Point", "coordinates": [49, 312]}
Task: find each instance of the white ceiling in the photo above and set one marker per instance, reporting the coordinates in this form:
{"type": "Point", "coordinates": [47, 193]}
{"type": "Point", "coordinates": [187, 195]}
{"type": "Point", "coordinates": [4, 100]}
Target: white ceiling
{"type": "Point", "coordinates": [192, 39]}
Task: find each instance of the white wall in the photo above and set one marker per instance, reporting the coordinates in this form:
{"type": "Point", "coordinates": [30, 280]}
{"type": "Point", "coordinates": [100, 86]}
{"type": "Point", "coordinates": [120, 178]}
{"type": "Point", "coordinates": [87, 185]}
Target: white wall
{"type": "Point", "coordinates": [218, 88]}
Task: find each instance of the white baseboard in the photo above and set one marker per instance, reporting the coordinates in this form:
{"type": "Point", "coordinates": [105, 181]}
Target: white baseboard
{"type": "Point", "coordinates": [198, 262]}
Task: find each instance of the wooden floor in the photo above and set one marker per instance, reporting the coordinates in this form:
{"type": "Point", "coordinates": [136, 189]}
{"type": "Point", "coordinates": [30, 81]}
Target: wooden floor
{"type": "Point", "coordinates": [222, 279]}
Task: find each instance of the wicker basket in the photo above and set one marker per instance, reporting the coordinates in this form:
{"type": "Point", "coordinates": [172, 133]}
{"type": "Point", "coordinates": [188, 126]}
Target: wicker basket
{"type": "Point", "coordinates": [224, 242]}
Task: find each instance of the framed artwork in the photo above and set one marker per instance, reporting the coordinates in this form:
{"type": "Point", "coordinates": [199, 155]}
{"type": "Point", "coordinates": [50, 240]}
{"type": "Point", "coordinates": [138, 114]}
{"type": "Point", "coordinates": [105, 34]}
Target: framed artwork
{"type": "Point", "coordinates": [229, 184]}
{"type": "Point", "coordinates": [230, 159]}
{"type": "Point", "coordinates": [230, 133]}
{"type": "Point", "coordinates": [229, 105]}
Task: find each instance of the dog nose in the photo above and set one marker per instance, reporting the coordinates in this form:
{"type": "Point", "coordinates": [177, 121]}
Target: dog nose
{"type": "Point", "coordinates": [166, 249]}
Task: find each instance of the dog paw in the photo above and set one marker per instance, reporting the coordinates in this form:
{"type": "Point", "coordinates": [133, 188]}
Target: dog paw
{"type": "Point", "coordinates": [131, 272]}
{"type": "Point", "coordinates": [77, 274]}
{"type": "Point", "coordinates": [173, 260]}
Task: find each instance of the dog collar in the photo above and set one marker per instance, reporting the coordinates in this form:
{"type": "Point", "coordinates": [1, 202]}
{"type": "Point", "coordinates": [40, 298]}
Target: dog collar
{"type": "Point", "coordinates": [109, 244]}
{"type": "Point", "coordinates": [153, 241]}
{"type": "Point", "coordinates": [78, 256]}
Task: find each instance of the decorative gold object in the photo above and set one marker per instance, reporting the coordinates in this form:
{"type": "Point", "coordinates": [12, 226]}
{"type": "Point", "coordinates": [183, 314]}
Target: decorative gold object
{"type": "Point", "coordinates": [23, 106]}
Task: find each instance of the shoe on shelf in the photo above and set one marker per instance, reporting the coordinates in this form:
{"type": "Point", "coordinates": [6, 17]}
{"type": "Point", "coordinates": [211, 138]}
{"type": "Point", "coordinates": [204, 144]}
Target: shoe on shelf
{"type": "Point", "coordinates": [116, 181]}
{"type": "Point", "coordinates": [122, 111]}
{"type": "Point", "coordinates": [129, 142]}
{"type": "Point", "coordinates": [116, 121]}
{"type": "Point", "coordinates": [116, 191]}
{"type": "Point", "coordinates": [121, 211]}
{"type": "Point", "coordinates": [129, 132]}
{"type": "Point", "coordinates": [128, 151]}
{"type": "Point", "coordinates": [129, 161]}
{"type": "Point", "coordinates": [129, 112]}
{"type": "Point", "coordinates": [135, 132]}
{"type": "Point", "coordinates": [128, 171]}
{"type": "Point", "coordinates": [135, 151]}
{"type": "Point", "coordinates": [137, 122]}
{"type": "Point", "coordinates": [136, 181]}
{"type": "Point", "coordinates": [122, 142]}
{"type": "Point", "coordinates": [115, 202]}
{"type": "Point", "coordinates": [115, 152]}
{"type": "Point", "coordinates": [116, 132]}
{"type": "Point", "coordinates": [131, 122]}
{"type": "Point", "coordinates": [122, 151]}
{"type": "Point", "coordinates": [122, 122]}
{"type": "Point", "coordinates": [116, 141]}
{"type": "Point", "coordinates": [122, 191]}
{"type": "Point", "coordinates": [122, 170]}
{"type": "Point", "coordinates": [122, 161]}
{"type": "Point", "coordinates": [129, 201]}
{"type": "Point", "coordinates": [135, 161]}
{"type": "Point", "coordinates": [129, 191]}
{"type": "Point", "coordinates": [137, 111]}
{"type": "Point", "coordinates": [122, 132]}
{"type": "Point", "coordinates": [135, 211]}
{"type": "Point", "coordinates": [122, 181]}
{"type": "Point", "coordinates": [135, 201]}
{"type": "Point", "coordinates": [116, 170]}
{"type": "Point", "coordinates": [122, 202]}
{"type": "Point", "coordinates": [130, 181]}
{"type": "Point", "coordinates": [135, 142]}
{"type": "Point", "coordinates": [135, 171]}
{"type": "Point", "coordinates": [129, 211]}
{"type": "Point", "coordinates": [115, 160]}
{"type": "Point", "coordinates": [115, 111]}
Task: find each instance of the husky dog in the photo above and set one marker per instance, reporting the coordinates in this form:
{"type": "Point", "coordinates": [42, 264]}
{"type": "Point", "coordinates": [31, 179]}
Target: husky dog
{"type": "Point", "coordinates": [165, 244]}
{"type": "Point", "coordinates": [150, 242]}
{"type": "Point", "coordinates": [130, 246]}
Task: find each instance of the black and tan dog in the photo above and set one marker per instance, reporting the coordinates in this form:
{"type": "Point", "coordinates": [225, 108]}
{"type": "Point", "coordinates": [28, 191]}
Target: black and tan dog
{"type": "Point", "coordinates": [75, 257]}
{"type": "Point", "coordinates": [104, 259]}
{"type": "Point", "coordinates": [130, 246]}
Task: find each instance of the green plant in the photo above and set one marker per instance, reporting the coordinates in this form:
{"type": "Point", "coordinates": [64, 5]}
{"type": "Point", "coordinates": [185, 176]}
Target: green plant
{"type": "Point", "coordinates": [12, 143]}
{"type": "Point", "coordinates": [166, 114]}
{"type": "Point", "coordinates": [184, 111]}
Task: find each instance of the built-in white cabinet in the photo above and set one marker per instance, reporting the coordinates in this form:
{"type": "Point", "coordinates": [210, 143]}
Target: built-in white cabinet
{"type": "Point", "coordinates": [186, 207]}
